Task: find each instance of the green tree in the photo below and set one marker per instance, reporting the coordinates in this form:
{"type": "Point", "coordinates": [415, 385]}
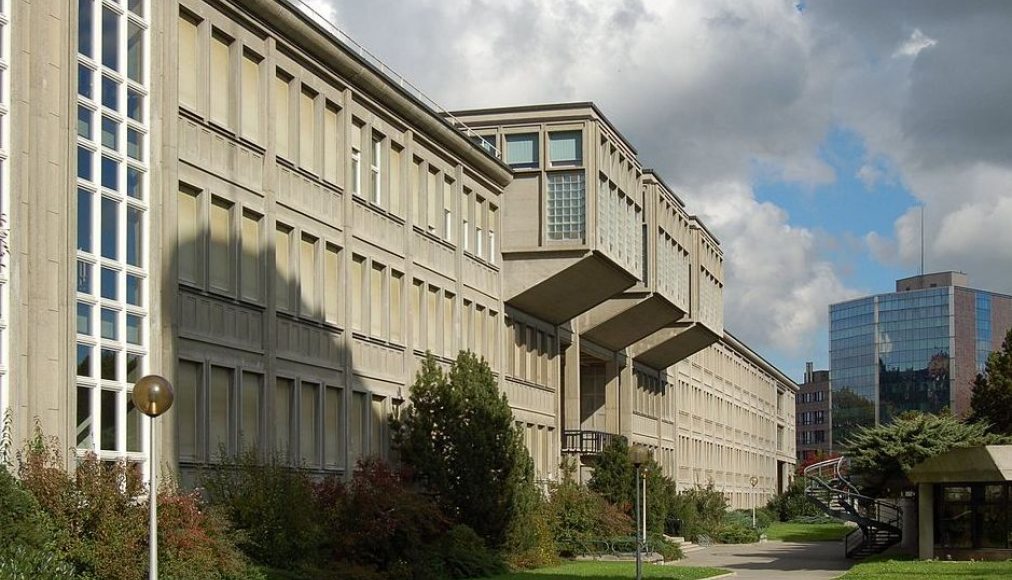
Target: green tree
{"type": "Point", "coordinates": [881, 456]}
{"type": "Point", "coordinates": [459, 438]}
{"type": "Point", "coordinates": [991, 401]}
{"type": "Point", "coordinates": [614, 478]}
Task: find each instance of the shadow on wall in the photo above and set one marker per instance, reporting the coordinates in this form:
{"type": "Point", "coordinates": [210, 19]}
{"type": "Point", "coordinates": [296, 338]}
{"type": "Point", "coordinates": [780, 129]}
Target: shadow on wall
{"type": "Point", "coordinates": [264, 312]}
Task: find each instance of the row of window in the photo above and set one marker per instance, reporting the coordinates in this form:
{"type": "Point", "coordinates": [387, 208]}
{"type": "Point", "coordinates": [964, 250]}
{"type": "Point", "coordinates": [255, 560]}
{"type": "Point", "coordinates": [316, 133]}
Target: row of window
{"type": "Point", "coordinates": [813, 397]}
{"type": "Point", "coordinates": [432, 314]}
{"type": "Point", "coordinates": [812, 418]}
{"type": "Point", "coordinates": [523, 150]}
{"type": "Point", "coordinates": [531, 354]}
{"type": "Point", "coordinates": [811, 437]}
{"type": "Point", "coordinates": [648, 397]}
{"type": "Point", "coordinates": [223, 411]}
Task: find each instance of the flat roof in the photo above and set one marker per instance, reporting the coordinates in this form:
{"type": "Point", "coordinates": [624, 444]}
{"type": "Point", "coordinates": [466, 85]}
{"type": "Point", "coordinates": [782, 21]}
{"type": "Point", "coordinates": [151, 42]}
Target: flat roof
{"type": "Point", "coordinates": [966, 465]}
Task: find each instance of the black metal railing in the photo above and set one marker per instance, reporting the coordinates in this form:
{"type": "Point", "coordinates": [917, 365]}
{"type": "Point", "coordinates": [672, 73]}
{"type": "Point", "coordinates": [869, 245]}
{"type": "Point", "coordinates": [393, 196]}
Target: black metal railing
{"type": "Point", "coordinates": [585, 442]}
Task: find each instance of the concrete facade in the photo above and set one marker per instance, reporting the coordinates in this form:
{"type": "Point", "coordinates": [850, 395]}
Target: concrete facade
{"type": "Point", "coordinates": [226, 194]}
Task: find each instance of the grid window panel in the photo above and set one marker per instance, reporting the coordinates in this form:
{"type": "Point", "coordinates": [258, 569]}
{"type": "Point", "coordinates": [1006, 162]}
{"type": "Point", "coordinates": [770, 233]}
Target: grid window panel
{"type": "Point", "coordinates": [567, 200]}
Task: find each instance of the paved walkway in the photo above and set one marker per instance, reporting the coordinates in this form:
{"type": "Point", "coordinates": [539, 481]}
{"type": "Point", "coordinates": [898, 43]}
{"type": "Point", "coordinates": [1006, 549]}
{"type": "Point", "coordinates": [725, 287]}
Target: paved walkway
{"type": "Point", "coordinates": [780, 560]}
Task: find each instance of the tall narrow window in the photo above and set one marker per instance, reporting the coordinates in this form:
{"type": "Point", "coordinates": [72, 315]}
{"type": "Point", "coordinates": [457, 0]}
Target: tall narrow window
{"type": "Point", "coordinates": [448, 209]}
{"type": "Point", "coordinates": [188, 386]}
{"type": "Point", "coordinates": [492, 217]}
{"type": "Point", "coordinates": [376, 302]}
{"type": "Point", "coordinates": [282, 115]}
{"type": "Point", "coordinates": [332, 283]}
{"type": "Point", "coordinates": [219, 413]}
{"type": "Point", "coordinates": [221, 245]}
{"type": "Point", "coordinates": [135, 52]}
{"type": "Point", "coordinates": [307, 129]}
{"type": "Point", "coordinates": [333, 427]}
{"type": "Point", "coordinates": [221, 79]}
{"type": "Point", "coordinates": [250, 259]}
{"type": "Point", "coordinates": [417, 187]}
{"type": "Point", "coordinates": [395, 180]}
{"type": "Point", "coordinates": [283, 267]}
{"type": "Point", "coordinates": [308, 418]}
{"type": "Point", "coordinates": [85, 22]}
{"type": "Point", "coordinates": [357, 280]}
{"type": "Point", "coordinates": [356, 158]}
{"type": "Point", "coordinates": [396, 291]}
{"type": "Point", "coordinates": [187, 66]}
{"type": "Point", "coordinates": [249, 428]}
{"type": "Point", "coordinates": [110, 38]}
{"type": "Point", "coordinates": [376, 170]}
{"type": "Point", "coordinates": [448, 302]}
{"type": "Point", "coordinates": [466, 324]}
{"type": "Point", "coordinates": [479, 230]}
{"type": "Point", "coordinates": [417, 313]}
{"type": "Point", "coordinates": [284, 390]}
{"type": "Point", "coordinates": [330, 142]}
{"type": "Point", "coordinates": [251, 97]}
{"type": "Point", "coordinates": [189, 238]}
{"type": "Point", "coordinates": [377, 440]}
{"type": "Point", "coordinates": [431, 322]}
{"type": "Point", "coordinates": [307, 276]}
{"type": "Point", "coordinates": [357, 425]}
{"type": "Point", "coordinates": [432, 201]}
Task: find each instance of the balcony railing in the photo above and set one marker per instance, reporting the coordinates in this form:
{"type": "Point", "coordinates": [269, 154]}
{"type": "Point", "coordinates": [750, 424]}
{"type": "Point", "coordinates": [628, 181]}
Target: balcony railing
{"type": "Point", "coordinates": [585, 442]}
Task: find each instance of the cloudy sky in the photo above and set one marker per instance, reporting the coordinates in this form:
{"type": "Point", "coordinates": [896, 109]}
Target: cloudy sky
{"type": "Point", "coordinates": [808, 135]}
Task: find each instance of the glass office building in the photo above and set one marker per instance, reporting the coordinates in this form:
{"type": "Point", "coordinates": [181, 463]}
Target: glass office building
{"type": "Point", "coordinates": [916, 349]}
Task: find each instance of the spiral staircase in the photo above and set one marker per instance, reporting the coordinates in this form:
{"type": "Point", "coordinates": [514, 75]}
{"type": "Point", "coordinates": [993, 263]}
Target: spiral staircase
{"type": "Point", "coordinates": [879, 522]}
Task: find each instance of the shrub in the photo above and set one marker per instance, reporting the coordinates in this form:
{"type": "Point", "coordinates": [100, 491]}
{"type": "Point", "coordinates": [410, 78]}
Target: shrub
{"type": "Point", "coordinates": [793, 503]}
{"type": "Point", "coordinates": [272, 504]}
{"type": "Point", "coordinates": [579, 516]}
{"type": "Point", "coordinates": [28, 545]}
{"type": "Point", "coordinates": [464, 555]}
{"type": "Point", "coordinates": [700, 509]}
{"type": "Point", "coordinates": [736, 533]}
{"type": "Point", "coordinates": [530, 542]}
{"type": "Point", "coordinates": [670, 551]}
{"type": "Point", "coordinates": [614, 478]}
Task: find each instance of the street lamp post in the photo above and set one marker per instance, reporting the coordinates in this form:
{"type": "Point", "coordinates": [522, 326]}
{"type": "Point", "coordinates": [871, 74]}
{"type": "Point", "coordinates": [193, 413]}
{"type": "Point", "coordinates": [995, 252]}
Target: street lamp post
{"type": "Point", "coordinates": [754, 481]}
{"type": "Point", "coordinates": [640, 455]}
{"type": "Point", "coordinates": [153, 395]}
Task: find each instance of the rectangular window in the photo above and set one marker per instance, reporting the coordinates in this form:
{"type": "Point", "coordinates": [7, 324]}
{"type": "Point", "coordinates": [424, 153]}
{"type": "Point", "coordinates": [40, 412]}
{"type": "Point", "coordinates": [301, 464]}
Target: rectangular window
{"type": "Point", "coordinates": [522, 151]}
{"type": "Point", "coordinates": [395, 180]}
{"type": "Point", "coordinates": [283, 392]}
{"type": "Point", "coordinates": [221, 245]}
{"type": "Point", "coordinates": [110, 228]}
{"type": "Point", "coordinates": [307, 423]}
{"type": "Point", "coordinates": [219, 413]}
{"type": "Point", "coordinates": [416, 185]}
{"type": "Point", "coordinates": [189, 237]}
{"type": "Point", "coordinates": [566, 205]}
{"type": "Point", "coordinates": [331, 142]}
{"type": "Point", "coordinates": [189, 380]}
{"type": "Point", "coordinates": [250, 259]}
{"type": "Point", "coordinates": [307, 276]}
{"type": "Point", "coordinates": [251, 97]}
{"type": "Point", "coordinates": [85, 22]}
{"type": "Point", "coordinates": [307, 129]}
{"type": "Point", "coordinates": [432, 201]}
{"type": "Point", "coordinates": [283, 267]}
{"type": "Point", "coordinates": [376, 305]}
{"type": "Point", "coordinates": [134, 236]}
{"type": "Point", "coordinates": [396, 291]}
{"type": "Point", "coordinates": [376, 170]}
{"type": "Point", "coordinates": [448, 301]}
{"type": "Point", "coordinates": [333, 427]}
{"type": "Point", "coordinates": [431, 322]}
{"type": "Point", "coordinates": [492, 345]}
{"type": "Point", "coordinates": [332, 283]}
{"type": "Point", "coordinates": [466, 219]}
{"type": "Point", "coordinates": [249, 428]}
{"type": "Point", "coordinates": [377, 441]}
{"type": "Point", "coordinates": [479, 227]}
{"type": "Point", "coordinates": [110, 38]}
{"type": "Point", "coordinates": [493, 215]}
{"type": "Point", "coordinates": [135, 52]}
{"type": "Point", "coordinates": [565, 148]}
{"type": "Point", "coordinates": [221, 79]}
{"type": "Point", "coordinates": [109, 420]}
{"type": "Point", "coordinates": [357, 294]}
{"type": "Point", "coordinates": [417, 312]}
{"type": "Point", "coordinates": [358, 425]}
{"type": "Point", "coordinates": [356, 158]}
{"type": "Point", "coordinates": [282, 115]}
{"type": "Point", "coordinates": [447, 209]}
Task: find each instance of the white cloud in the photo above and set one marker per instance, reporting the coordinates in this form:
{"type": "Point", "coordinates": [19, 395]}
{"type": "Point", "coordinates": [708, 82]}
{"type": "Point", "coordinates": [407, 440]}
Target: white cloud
{"type": "Point", "coordinates": [915, 44]}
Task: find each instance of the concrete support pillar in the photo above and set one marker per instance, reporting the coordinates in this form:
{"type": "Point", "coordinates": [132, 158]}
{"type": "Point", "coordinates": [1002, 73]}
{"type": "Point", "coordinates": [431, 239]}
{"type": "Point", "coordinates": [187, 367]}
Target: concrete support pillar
{"type": "Point", "coordinates": [625, 399]}
{"type": "Point", "coordinates": [571, 385]}
{"type": "Point", "coordinates": [612, 404]}
{"type": "Point", "coordinates": [926, 521]}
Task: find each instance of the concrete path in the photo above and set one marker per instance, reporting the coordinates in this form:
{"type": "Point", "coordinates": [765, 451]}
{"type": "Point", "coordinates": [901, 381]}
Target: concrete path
{"type": "Point", "coordinates": [780, 560]}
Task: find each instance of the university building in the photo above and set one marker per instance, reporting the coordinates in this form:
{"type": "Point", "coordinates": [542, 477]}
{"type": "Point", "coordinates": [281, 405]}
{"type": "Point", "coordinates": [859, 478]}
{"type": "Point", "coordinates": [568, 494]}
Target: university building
{"type": "Point", "coordinates": [236, 196]}
{"type": "Point", "coordinates": [916, 349]}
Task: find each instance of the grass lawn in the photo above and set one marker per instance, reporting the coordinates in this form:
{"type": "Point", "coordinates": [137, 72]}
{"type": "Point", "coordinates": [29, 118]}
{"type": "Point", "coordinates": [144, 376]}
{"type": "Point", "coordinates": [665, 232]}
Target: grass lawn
{"type": "Point", "coordinates": [612, 571]}
{"type": "Point", "coordinates": [904, 569]}
{"type": "Point", "coordinates": [794, 532]}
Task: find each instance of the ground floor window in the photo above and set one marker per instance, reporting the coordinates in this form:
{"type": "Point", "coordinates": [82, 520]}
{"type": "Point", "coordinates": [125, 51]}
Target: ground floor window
{"type": "Point", "coordinates": [977, 515]}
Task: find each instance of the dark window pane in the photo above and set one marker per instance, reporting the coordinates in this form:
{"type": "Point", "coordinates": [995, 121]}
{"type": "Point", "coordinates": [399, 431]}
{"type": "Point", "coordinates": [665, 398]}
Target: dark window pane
{"type": "Point", "coordinates": [84, 170]}
{"type": "Point", "coordinates": [84, 210]}
{"type": "Point", "coordinates": [85, 20]}
{"type": "Point", "coordinates": [110, 416]}
{"type": "Point", "coordinates": [110, 284]}
{"type": "Point", "coordinates": [134, 183]}
{"type": "Point", "coordinates": [110, 93]}
{"type": "Point", "coordinates": [108, 365]}
{"type": "Point", "coordinates": [110, 173]}
{"type": "Point", "coordinates": [110, 228]}
{"type": "Point", "coordinates": [84, 417]}
{"type": "Point", "coordinates": [134, 236]}
{"type": "Point", "coordinates": [133, 425]}
{"type": "Point", "coordinates": [109, 327]}
{"type": "Point", "coordinates": [85, 82]}
{"type": "Point", "coordinates": [135, 144]}
{"type": "Point", "coordinates": [110, 135]}
{"type": "Point", "coordinates": [133, 329]}
{"type": "Point", "coordinates": [133, 367]}
{"type": "Point", "coordinates": [83, 277]}
{"type": "Point", "coordinates": [85, 119]}
{"type": "Point", "coordinates": [135, 104]}
{"type": "Point", "coordinates": [84, 318]}
{"type": "Point", "coordinates": [135, 52]}
{"type": "Point", "coordinates": [133, 290]}
{"type": "Point", "coordinates": [84, 360]}
{"type": "Point", "coordinates": [110, 38]}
